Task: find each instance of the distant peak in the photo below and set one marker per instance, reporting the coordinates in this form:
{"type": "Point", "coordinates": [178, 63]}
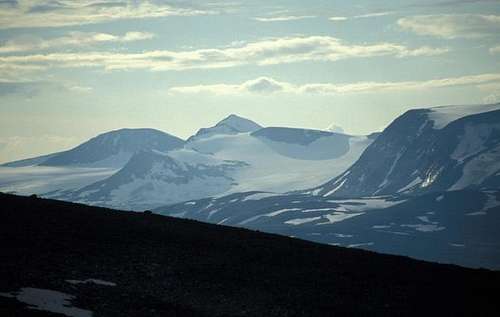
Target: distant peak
{"type": "Point", "coordinates": [240, 124]}
{"type": "Point", "coordinates": [232, 124]}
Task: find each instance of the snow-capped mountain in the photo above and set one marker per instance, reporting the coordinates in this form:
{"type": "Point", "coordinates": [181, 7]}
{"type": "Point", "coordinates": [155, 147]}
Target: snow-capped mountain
{"type": "Point", "coordinates": [89, 162]}
{"type": "Point", "coordinates": [111, 149]}
{"type": "Point", "coordinates": [427, 187]}
{"type": "Point", "coordinates": [427, 150]}
{"type": "Point", "coordinates": [232, 124]}
{"type": "Point", "coordinates": [219, 163]}
{"type": "Point", "coordinates": [152, 178]}
{"type": "Point", "coordinates": [459, 227]}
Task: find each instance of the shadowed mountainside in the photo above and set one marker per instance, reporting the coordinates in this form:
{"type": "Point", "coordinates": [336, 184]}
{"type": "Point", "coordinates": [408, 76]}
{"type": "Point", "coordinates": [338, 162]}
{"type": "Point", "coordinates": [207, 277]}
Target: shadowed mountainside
{"type": "Point", "coordinates": [174, 267]}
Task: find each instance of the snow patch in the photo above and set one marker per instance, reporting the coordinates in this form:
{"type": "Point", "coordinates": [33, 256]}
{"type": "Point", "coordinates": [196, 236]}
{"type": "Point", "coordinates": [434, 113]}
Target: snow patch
{"type": "Point", "coordinates": [93, 281]}
{"type": "Point", "coordinates": [425, 228]}
{"type": "Point", "coordinates": [300, 221]}
{"type": "Point", "coordinates": [338, 217]}
{"type": "Point", "coordinates": [442, 116]}
{"type": "Point", "coordinates": [412, 184]}
{"type": "Point", "coordinates": [357, 245]}
{"type": "Point", "coordinates": [48, 300]}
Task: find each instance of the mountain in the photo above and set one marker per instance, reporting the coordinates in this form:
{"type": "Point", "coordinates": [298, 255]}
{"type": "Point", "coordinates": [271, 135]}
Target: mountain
{"type": "Point", "coordinates": [109, 149]}
{"type": "Point", "coordinates": [459, 227]}
{"type": "Point", "coordinates": [216, 164]}
{"type": "Point", "coordinates": [427, 150]}
{"type": "Point", "coordinates": [232, 124]}
{"type": "Point", "coordinates": [151, 179]}
{"type": "Point", "coordinates": [290, 142]}
{"type": "Point", "coordinates": [82, 261]}
{"type": "Point", "coordinates": [426, 187]}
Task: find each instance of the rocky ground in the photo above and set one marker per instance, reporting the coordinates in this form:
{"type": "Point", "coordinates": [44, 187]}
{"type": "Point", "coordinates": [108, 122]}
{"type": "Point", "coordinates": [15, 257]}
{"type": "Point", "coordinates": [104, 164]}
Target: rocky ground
{"type": "Point", "coordinates": [150, 265]}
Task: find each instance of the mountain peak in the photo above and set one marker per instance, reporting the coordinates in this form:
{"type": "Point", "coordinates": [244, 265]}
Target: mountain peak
{"type": "Point", "coordinates": [232, 124]}
{"type": "Point", "coordinates": [239, 123]}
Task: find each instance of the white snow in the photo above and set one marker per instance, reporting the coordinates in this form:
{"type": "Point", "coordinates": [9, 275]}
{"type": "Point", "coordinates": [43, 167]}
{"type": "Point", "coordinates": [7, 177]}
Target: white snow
{"type": "Point", "coordinates": [426, 219]}
{"type": "Point", "coordinates": [412, 184]}
{"type": "Point", "coordinates": [357, 245]}
{"type": "Point", "coordinates": [477, 213]}
{"type": "Point", "coordinates": [222, 221]}
{"type": "Point", "coordinates": [93, 281]}
{"type": "Point", "coordinates": [492, 202]}
{"type": "Point", "coordinates": [48, 300]}
{"type": "Point", "coordinates": [477, 169]}
{"type": "Point", "coordinates": [279, 212]}
{"type": "Point", "coordinates": [341, 235]}
{"type": "Point", "coordinates": [338, 216]}
{"type": "Point", "coordinates": [472, 142]}
{"type": "Point", "coordinates": [300, 221]}
{"type": "Point", "coordinates": [258, 196]}
{"type": "Point", "coordinates": [424, 228]}
{"type": "Point", "coordinates": [393, 165]}
{"type": "Point", "coordinates": [336, 188]}
{"type": "Point", "coordinates": [369, 203]}
{"type": "Point", "coordinates": [271, 171]}
{"type": "Point", "coordinates": [44, 179]}
{"type": "Point", "coordinates": [316, 210]}
{"type": "Point", "coordinates": [380, 227]}
{"type": "Point", "coordinates": [442, 116]}
{"type": "Point", "coordinates": [271, 214]}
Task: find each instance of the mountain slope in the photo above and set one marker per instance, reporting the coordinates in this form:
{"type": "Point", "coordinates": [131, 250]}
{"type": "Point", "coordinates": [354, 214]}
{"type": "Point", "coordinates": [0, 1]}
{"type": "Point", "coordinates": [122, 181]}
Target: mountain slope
{"type": "Point", "coordinates": [459, 227]}
{"type": "Point", "coordinates": [110, 149]}
{"type": "Point", "coordinates": [128, 264]}
{"type": "Point", "coordinates": [151, 179]}
{"type": "Point", "coordinates": [426, 150]}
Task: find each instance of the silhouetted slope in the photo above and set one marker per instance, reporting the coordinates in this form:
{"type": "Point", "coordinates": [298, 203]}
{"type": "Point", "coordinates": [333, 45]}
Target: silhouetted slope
{"type": "Point", "coordinates": [173, 267]}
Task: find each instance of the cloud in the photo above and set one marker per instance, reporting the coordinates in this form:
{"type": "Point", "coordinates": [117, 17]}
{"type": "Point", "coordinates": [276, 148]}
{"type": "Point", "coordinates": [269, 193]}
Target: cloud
{"type": "Point", "coordinates": [374, 14]}
{"type": "Point", "coordinates": [495, 50]}
{"type": "Point", "coordinates": [47, 13]}
{"type": "Point", "coordinates": [338, 18]}
{"type": "Point", "coordinates": [335, 128]}
{"type": "Point", "coordinates": [265, 52]}
{"type": "Point", "coordinates": [261, 85]}
{"type": "Point", "coordinates": [29, 43]}
{"type": "Point", "coordinates": [451, 26]}
{"type": "Point", "coordinates": [284, 18]}
{"type": "Point", "coordinates": [20, 73]}
{"type": "Point", "coordinates": [362, 16]}
{"type": "Point", "coordinates": [269, 85]}
{"type": "Point", "coordinates": [492, 92]}
{"type": "Point", "coordinates": [448, 3]}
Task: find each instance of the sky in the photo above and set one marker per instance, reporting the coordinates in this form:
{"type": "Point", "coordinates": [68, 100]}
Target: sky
{"type": "Point", "coordinates": [70, 70]}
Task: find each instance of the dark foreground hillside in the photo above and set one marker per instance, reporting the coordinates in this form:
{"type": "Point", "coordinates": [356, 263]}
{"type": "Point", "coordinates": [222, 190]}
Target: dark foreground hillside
{"type": "Point", "coordinates": [172, 267]}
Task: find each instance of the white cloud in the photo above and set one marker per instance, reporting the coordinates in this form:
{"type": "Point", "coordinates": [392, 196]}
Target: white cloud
{"type": "Point", "coordinates": [29, 43]}
{"type": "Point", "coordinates": [48, 13]}
{"type": "Point", "coordinates": [374, 15]}
{"type": "Point", "coordinates": [264, 52]}
{"type": "Point", "coordinates": [20, 73]}
{"type": "Point", "coordinates": [495, 50]}
{"type": "Point", "coordinates": [284, 18]}
{"type": "Point", "coordinates": [269, 85]}
{"type": "Point", "coordinates": [261, 85]}
{"type": "Point", "coordinates": [338, 18]}
{"type": "Point", "coordinates": [361, 16]}
{"type": "Point", "coordinates": [451, 26]}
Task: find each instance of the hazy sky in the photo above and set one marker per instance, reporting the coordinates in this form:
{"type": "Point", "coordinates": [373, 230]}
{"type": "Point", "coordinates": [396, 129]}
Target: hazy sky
{"type": "Point", "coordinates": [72, 69]}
